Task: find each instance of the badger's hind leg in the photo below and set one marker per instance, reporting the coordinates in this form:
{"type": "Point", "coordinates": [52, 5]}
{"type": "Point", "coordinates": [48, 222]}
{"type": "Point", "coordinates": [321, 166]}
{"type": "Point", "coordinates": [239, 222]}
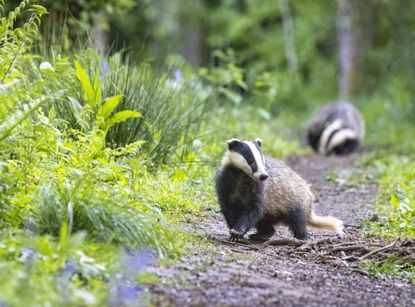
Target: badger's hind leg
{"type": "Point", "coordinates": [264, 231]}
{"type": "Point", "coordinates": [296, 220]}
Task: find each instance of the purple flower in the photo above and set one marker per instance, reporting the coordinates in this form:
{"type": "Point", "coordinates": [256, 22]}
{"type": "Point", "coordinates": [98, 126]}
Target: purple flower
{"type": "Point", "coordinates": [177, 74]}
{"type": "Point", "coordinates": [133, 262]}
{"type": "Point", "coordinates": [67, 272]}
{"type": "Point", "coordinates": [105, 68]}
{"type": "Point", "coordinates": [70, 267]}
{"type": "Point", "coordinates": [127, 292]}
{"type": "Point", "coordinates": [124, 288]}
{"type": "Point", "coordinates": [27, 255]}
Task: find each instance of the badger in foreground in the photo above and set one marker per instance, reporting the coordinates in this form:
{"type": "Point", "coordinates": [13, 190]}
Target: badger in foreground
{"type": "Point", "coordinates": [261, 192]}
{"type": "Point", "coordinates": [336, 128]}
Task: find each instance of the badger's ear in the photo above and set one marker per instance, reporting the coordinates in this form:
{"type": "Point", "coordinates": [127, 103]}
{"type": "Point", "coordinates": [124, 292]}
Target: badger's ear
{"type": "Point", "coordinates": [233, 144]}
{"type": "Point", "coordinates": [258, 141]}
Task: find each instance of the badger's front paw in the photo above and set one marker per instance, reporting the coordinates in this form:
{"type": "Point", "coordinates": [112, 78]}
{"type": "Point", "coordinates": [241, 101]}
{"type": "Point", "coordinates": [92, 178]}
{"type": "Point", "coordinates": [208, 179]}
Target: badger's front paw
{"type": "Point", "coordinates": [236, 235]}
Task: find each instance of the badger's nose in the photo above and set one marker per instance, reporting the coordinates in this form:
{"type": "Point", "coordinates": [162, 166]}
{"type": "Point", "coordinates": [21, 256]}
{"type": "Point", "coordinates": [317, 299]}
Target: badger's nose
{"type": "Point", "coordinates": [263, 177]}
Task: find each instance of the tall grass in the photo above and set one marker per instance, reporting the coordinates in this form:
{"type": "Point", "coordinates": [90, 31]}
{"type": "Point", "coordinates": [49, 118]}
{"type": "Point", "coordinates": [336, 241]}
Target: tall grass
{"type": "Point", "coordinates": [105, 214]}
{"type": "Point", "coordinates": [172, 109]}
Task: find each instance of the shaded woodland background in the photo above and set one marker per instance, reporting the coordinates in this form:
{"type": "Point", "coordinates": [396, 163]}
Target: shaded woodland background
{"type": "Point", "coordinates": [330, 48]}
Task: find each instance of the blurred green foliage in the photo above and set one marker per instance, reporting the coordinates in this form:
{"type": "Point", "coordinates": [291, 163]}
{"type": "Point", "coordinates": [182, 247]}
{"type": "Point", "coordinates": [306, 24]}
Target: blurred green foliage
{"type": "Point", "coordinates": [252, 29]}
{"type": "Point", "coordinates": [395, 208]}
{"type": "Point", "coordinates": [396, 202]}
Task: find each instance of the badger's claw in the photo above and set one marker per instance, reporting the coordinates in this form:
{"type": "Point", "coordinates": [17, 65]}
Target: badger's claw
{"type": "Point", "coordinates": [235, 235]}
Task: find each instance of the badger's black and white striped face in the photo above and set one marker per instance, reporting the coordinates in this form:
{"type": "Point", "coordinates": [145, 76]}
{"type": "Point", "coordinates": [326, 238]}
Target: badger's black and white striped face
{"type": "Point", "coordinates": [247, 156]}
{"type": "Point", "coordinates": [338, 139]}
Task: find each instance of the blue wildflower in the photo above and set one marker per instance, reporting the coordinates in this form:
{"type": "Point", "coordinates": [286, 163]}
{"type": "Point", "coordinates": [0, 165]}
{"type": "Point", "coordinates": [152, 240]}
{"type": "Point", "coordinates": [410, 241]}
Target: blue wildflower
{"type": "Point", "coordinates": [133, 262]}
{"type": "Point", "coordinates": [105, 68]}
{"type": "Point", "coordinates": [128, 292]}
{"type": "Point", "coordinates": [177, 74]}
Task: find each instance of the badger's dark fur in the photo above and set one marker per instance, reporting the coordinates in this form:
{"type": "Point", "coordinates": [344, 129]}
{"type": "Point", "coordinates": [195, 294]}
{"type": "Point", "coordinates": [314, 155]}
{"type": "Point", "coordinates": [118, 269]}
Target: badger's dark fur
{"type": "Point", "coordinates": [263, 193]}
{"type": "Point", "coordinates": [336, 128]}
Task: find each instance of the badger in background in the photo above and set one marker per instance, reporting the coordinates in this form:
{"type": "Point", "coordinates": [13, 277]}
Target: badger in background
{"type": "Point", "coordinates": [336, 128]}
{"type": "Point", "coordinates": [259, 191]}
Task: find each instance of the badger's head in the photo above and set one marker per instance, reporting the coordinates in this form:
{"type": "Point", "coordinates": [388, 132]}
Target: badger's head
{"type": "Point", "coordinates": [337, 139]}
{"type": "Point", "coordinates": [247, 156]}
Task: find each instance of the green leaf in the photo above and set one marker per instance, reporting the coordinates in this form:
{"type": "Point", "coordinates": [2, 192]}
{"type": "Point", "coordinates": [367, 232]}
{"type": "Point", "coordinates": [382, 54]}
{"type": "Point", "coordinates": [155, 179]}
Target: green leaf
{"type": "Point", "coordinates": [109, 106]}
{"type": "Point", "coordinates": [120, 117]}
{"type": "Point", "coordinates": [96, 86]}
{"type": "Point", "coordinates": [63, 236]}
{"type": "Point", "coordinates": [15, 119]}
{"type": "Point", "coordinates": [52, 114]}
{"type": "Point", "coordinates": [85, 83]}
{"type": "Point", "coordinates": [394, 201]}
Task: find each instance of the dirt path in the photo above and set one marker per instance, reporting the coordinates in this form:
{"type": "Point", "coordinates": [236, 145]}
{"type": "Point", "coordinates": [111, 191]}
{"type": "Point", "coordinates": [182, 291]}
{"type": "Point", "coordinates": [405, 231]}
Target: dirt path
{"type": "Point", "coordinates": [224, 274]}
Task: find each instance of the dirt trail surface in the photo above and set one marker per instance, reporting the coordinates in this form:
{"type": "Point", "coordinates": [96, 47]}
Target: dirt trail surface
{"type": "Point", "coordinates": [318, 273]}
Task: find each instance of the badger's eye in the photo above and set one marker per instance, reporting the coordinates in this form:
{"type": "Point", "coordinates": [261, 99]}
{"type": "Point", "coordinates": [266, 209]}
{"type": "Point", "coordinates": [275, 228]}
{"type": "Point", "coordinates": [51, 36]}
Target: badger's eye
{"type": "Point", "coordinates": [250, 162]}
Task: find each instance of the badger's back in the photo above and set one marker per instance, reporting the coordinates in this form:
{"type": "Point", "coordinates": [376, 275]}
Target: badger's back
{"type": "Point", "coordinates": [284, 189]}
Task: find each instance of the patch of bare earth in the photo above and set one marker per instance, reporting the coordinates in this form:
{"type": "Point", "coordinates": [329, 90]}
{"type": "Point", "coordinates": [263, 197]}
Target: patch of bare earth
{"type": "Point", "coordinates": [321, 272]}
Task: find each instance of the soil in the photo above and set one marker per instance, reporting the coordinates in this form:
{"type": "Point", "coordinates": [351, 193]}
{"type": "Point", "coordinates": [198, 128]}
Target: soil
{"type": "Point", "coordinates": [321, 272]}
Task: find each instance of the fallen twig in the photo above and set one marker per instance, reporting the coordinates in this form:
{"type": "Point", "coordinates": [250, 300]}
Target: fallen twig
{"type": "Point", "coordinates": [291, 242]}
{"type": "Point", "coordinates": [348, 243]}
{"type": "Point", "coordinates": [350, 258]}
{"type": "Point", "coordinates": [377, 251]}
{"type": "Point", "coordinates": [350, 248]}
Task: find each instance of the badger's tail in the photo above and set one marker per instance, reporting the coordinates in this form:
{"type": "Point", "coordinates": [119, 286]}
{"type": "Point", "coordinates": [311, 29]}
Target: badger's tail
{"type": "Point", "coordinates": [326, 222]}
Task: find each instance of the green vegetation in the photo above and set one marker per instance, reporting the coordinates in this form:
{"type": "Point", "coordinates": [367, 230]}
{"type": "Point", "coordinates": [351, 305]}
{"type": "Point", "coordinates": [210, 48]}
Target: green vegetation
{"type": "Point", "coordinates": [390, 134]}
{"type": "Point", "coordinates": [396, 202]}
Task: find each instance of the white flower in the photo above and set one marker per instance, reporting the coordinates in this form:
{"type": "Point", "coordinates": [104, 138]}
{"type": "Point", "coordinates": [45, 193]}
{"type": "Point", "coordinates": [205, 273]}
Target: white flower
{"type": "Point", "coordinates": [197, 143]}
{"type": "Point", "coordinates": [47, 68]}
{"type": "Point", "coordinates": [87, 297]}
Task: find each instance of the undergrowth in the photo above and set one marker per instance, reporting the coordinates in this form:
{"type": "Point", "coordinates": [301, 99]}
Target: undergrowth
{"type": "Point", "coordinates": [396, 199]}
{"type": "Point", "coordinates": [390, 133]}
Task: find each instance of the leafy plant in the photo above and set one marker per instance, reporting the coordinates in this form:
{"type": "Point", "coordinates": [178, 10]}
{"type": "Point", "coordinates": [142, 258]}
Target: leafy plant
{"type": "Point", "coordinates": [14, 42]}
{"type": "Point", "coordinates": [227, 78]}
{"type": "Point", "coordinates": [396, 202]}
{"type": "Point", "coordinates": [95, 107]}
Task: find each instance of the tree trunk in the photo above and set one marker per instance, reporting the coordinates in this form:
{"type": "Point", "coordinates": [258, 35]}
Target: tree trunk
{"type": "Point", "coordinates": [353, 44]}
{"type": "Point", "coordinates": [98, 34]}
{"type": "Point", "coordinates": [192, 49]}
{"type": "Point", "coordinates": [288, 29]}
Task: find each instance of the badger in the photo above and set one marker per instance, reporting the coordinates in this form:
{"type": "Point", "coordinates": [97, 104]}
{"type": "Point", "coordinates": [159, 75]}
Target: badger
{"type": "Point", "coordinates": [336, 128]}
{"type": "Point", "coordinates": [259, 191]}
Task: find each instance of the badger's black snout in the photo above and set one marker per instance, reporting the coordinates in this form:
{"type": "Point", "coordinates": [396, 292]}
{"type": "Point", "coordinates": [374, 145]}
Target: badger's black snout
{"type": "Point", "coordinates": [263, 177]}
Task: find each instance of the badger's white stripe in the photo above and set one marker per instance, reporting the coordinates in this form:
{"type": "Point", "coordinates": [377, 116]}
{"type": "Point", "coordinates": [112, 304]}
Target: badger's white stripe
{"type": "Point", "coordinates": [232, 157]}
{"type": "Point", "coordinates": [259, 160]}
{"type": "Point", "coordinates": [326, 134]}
{"type": "Point", "coordinates": [341, 136]}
